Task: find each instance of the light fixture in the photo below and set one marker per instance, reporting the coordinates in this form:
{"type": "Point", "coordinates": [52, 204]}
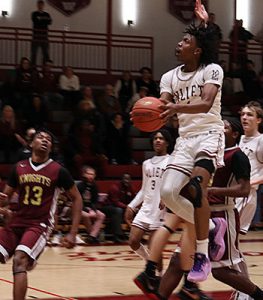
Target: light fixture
{"type": "Point", "coordinates": [129, 12]}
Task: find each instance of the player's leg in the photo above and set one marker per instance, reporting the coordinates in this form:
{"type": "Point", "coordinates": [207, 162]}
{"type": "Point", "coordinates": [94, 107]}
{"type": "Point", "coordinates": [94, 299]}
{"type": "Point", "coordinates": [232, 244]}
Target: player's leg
{"type": "Point", "coordinates": [20, 266]}
{"type": "Point", "coordinates": [31, 245]}
{"type": "Point", "coordinates": [147, 280]}
{"type": "Point", "coordinates": [180, 262]}
{"type": "Point", "coordinates": [236, 279]}
{"type": "Point", "coordinates": [135, 237]}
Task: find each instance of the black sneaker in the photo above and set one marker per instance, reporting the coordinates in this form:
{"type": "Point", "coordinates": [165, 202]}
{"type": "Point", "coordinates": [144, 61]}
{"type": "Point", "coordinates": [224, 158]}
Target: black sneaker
{"type": "Point", "coordinates": [193, 293]}
{"type": "Point", "coordinates": [148, 285]}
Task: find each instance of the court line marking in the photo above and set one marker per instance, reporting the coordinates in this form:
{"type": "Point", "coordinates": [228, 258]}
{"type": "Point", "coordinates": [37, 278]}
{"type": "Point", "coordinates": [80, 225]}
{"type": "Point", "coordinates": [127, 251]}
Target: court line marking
{"type": "Point", "coordinates": [41, 291]}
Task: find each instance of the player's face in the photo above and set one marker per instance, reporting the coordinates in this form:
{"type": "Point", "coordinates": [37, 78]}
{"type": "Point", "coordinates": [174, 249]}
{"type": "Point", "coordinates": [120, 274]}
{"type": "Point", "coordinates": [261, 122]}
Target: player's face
{"type": "Point", "coordinates": [186, 48]}
{"type": "Point", "coordinates": [229, 135]}
{"type": "Point", "coordinates": [249, 120]}
{"type": "Point", "coordinates": [159, 144]}
{"type": "Point", "coordinates": [42, 142]}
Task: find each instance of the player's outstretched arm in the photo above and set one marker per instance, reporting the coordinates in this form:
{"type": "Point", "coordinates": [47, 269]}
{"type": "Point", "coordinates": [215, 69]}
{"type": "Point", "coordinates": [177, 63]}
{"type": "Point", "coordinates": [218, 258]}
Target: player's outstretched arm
{"type": "Point", "coordinates": [200, 12]}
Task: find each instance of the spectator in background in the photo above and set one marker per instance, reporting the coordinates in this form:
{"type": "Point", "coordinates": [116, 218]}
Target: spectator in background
{"type": "Point", "coordinates": [87, 95]}
{"type": "Point", "coordinates": [250, 80]}
{"type": "Point", "coordinates": [41, 20]}
{"type": "Point", "coordinates": [118, 143]}
{"type": "Point", "coordinates": [147, 81]}
{"type": "Point", "coordinates": [119, 196]}
{"type": "Point", "coordinates": [217, 37]}
{"type": "Point", "coordinates": [37, 113]}
{"type": "Point", "coordinates": [70, 87]}
{"type": "Point", "coordinates": [84, 146]}
{"type": "Point", "coordinates": [108, 103]}
{"type": "Point", "coordinates": [25, 151]}
{"type": "Point", "coordinates": [25, 84]}
{"type": "Point", "coordinates": [239, 37]}
{"type": "Point", "coordinates": [91, 217]}
{"type": "Point", "coordinates": [10, 135]}
{"type": "Point", "coordinates": [125, 89]}
{"type": "Point", "coordinates": [48, 86]}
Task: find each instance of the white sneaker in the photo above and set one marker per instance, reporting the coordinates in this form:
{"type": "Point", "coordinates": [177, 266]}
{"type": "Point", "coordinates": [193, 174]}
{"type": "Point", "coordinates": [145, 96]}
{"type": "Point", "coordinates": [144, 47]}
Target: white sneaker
{"type": "Point", "coordinates": [79, 240]}
{"type": "Point", "coordinates": [56, 240]}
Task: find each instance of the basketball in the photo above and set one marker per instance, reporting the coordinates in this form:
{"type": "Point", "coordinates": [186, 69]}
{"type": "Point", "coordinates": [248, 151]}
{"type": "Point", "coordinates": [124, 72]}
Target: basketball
{"type": "Point", "coordinates": [145, 114]}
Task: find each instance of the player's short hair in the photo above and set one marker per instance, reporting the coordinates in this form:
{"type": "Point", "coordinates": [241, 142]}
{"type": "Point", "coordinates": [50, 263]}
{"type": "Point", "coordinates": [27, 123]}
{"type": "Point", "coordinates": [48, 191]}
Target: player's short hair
{"type": "Point", "coordinates": [235, 125]}
{"type": "Point", "coordinates": [167, 136]}
{"type": "Point", "coordinates": [39, 130]}
{"type": "Point", "coordinates": [254, 105]}
{"type": "Point", "coordinates": [205, 38]}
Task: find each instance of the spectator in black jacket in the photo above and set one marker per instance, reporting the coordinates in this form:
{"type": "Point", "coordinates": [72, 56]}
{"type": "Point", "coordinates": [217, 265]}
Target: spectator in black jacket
{"type": "Point", "coordinates": [91, 217]}
{"type": "Point", "coordinates": [41, 20]}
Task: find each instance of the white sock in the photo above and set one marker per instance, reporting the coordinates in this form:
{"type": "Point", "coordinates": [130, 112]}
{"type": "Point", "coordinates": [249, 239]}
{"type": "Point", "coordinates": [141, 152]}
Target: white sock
{"type": "Point", "coordinates": [202, 246]}
{"type": "Point", "coordinates": [142, 252]}
{"type": "Point", "coordinates": [211, 225]}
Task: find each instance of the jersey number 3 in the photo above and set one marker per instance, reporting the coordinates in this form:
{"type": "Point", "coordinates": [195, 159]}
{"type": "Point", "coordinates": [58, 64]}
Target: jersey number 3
{"type": "Point", "coordinates": [37, 195]}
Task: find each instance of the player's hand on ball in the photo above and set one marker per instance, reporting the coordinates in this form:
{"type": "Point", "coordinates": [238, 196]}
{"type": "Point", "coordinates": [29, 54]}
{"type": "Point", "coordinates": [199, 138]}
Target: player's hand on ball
{"type": "Point", "coordinates": [169, 109]}
{"type": "Point", "coordinates": [69, 241]}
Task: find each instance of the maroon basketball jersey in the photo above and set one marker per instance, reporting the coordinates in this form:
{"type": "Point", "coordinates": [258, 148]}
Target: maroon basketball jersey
{"type": "Point", "coordinates": [225, 177]}
{"type": "Point", "coordinates": [38, 192]}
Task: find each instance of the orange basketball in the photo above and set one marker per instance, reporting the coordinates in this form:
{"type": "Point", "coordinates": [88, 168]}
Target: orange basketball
{"type": "Point", "coordinates": [145, 114]}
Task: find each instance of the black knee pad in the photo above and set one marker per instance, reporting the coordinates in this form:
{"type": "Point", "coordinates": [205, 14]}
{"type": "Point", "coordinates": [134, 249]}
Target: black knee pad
{"type": "Point", "coordinates": [192, 191]}
{"type": "Point", "coordinates": [206, 164]}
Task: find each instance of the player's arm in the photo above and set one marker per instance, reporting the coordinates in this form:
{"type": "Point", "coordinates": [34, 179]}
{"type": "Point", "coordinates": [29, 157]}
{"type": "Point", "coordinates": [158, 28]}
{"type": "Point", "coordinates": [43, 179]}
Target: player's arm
{"type": "Point", "coordinates": [241, 169]}
{"type": "Point", "coordinates": [9, 188]}
{"type": "Point", "coordinates": [74, 195]}
{"type": "Point", "coordinates": [66, 181]}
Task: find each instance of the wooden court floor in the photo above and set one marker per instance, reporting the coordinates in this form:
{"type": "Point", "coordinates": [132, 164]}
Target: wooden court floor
{"type": "Point", "coordinates": [106, 272]}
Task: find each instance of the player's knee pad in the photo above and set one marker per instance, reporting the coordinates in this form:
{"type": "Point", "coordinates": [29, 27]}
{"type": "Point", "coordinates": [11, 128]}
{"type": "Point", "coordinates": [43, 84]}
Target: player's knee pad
{"type": "Point", "coordinates": [206, 164]}
{"type": "Point", "coordinates": [193, 191]}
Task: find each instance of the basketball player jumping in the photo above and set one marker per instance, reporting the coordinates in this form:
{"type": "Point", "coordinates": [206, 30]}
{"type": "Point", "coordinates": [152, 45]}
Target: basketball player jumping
{"type": "Point", "coordinates": [193, 92]}
{"type": "Point", "coordinates": [37, 181]}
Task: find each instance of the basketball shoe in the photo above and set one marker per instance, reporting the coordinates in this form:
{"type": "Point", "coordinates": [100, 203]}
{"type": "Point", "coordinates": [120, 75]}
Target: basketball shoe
{"type": "Point", "coordinates": [148, 285]}
{"type": "Point", "coordinates": [200, 269]}
{"type": "Point", "coordinates": [192, 293]}
{"type": "Point", "coordinates": [216, 239]}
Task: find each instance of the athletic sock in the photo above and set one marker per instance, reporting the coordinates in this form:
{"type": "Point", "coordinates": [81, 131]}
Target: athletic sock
{"type": "Point", "coordinates": [258, 294]}
{"type": "Point", "coordinates": [150, 268]}
{"type": "Point", "coordinates": [202, 246]}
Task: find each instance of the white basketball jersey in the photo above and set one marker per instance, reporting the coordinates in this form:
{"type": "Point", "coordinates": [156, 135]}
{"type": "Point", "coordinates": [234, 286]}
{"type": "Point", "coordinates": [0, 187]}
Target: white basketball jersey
{"type": "Point", "coordinates": [149, 195]}
{"type": "Point", "coordinates": [186, 88]}
{"type": "Point", "coordinates": [253, 148]}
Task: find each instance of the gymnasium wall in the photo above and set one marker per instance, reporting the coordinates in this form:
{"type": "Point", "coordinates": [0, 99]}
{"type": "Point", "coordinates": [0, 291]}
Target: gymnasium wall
{"type": "Point", "coordinates": [153, 20]}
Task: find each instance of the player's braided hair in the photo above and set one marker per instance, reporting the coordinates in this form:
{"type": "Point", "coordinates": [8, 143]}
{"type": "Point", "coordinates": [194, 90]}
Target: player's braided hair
{"type": "Point", "coordinates": [205, 38]}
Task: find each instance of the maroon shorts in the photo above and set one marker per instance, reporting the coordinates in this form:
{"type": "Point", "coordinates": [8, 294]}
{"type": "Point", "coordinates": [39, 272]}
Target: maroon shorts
{"type": "Point", "coordinates": [31, 240]}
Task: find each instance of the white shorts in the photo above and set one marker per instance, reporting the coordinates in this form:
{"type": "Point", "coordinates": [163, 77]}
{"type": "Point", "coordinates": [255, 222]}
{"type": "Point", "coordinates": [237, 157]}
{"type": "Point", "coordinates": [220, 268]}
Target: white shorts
{"type": "Point", "coordinates": [180, 165]}
{"type": "Point", "coordinates": [247, 209]}
{"type": "Point", "coordinates": [141, 221]}
{"type": "Point", "coordinates": [191, 149]}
